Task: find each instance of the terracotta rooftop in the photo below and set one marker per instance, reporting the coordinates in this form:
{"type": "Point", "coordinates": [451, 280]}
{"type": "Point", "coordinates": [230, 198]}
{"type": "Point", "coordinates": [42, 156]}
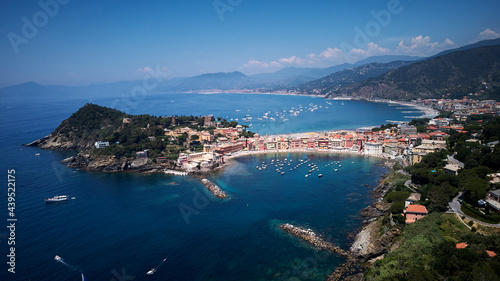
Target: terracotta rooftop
{"type": "Point", "coordinates": [490, 253]}
{"type": "Point", "coordinates": [416, 209]}
{"type": "Point", "coordinates": [462, 245]}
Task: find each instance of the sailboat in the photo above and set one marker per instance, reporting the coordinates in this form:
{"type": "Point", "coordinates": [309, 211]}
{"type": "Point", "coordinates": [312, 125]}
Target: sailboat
{"type": "Point", "coordinates": [83, 278]}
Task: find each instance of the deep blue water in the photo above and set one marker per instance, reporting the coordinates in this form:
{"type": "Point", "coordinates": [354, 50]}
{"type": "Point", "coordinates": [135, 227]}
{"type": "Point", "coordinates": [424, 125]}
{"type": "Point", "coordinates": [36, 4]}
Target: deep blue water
{"type": "Point", "coordinates": [121, 225]}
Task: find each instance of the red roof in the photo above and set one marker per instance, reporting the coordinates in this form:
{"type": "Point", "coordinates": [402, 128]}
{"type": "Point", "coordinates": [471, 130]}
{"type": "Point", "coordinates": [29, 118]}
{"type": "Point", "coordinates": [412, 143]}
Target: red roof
{"type": "Point", "coordinates": [416, 209]}
{"type": "Point", "coordinates": [461, 245]}
{"type": "Point", "coordinates": [490, 253]}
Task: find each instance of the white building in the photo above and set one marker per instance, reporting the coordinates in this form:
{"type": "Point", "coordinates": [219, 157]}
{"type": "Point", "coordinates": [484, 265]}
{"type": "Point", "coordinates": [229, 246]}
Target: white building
{"type": "Point", "coordinates": [373, 148]}
{"type": "Point", "coordinates": [101, 144]}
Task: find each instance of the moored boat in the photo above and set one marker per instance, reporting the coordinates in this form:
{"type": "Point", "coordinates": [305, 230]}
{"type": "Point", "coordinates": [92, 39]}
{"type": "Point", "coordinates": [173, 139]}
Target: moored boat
{"type": "Point", "coordinates": [57, 198]}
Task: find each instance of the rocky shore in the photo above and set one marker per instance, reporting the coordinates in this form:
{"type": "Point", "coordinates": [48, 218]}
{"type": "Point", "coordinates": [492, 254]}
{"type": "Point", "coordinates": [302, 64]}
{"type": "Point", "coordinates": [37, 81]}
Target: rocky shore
{"type": "Point", "coordinates": [109, 163]}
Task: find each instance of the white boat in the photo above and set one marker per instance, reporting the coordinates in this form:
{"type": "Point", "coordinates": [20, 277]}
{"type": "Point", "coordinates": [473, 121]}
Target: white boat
{"type": "Point", "coordinates": [57, 258]}
{"type": "Point", "coordinates": [57, 198]}
{"type": "Point", "coordinates": [320, 175]}
{"type": "Point", "coordinates": [153, 270]}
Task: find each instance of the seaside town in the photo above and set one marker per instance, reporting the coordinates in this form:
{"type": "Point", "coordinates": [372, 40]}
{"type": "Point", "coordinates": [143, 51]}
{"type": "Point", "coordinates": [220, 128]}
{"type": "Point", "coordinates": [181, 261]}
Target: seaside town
{"type": "Point", "coordinates": [404, 140]}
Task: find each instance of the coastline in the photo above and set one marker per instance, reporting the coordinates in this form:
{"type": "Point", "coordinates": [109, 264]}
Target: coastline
{"type": "Point", "coordinates": [318, 151]}
{"type": "Point", "coordinates": [427, 112]}
{"type": "Point", "coordinates": [368, 244]}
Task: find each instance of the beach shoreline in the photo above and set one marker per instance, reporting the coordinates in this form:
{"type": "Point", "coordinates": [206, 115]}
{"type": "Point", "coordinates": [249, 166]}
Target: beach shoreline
{"type": "Point", "coordinates": [428, 112]}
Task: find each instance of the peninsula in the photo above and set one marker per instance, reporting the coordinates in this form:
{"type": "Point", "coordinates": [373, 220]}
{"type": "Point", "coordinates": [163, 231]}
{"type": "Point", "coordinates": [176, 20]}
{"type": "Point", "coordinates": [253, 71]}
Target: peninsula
{"type": "Point", "coordinates": [109, 140]}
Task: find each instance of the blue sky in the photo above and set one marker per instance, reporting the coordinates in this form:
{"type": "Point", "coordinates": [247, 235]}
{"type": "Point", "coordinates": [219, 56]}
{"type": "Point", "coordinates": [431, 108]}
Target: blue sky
{"type": "Point", "coordinates": [85, 42]}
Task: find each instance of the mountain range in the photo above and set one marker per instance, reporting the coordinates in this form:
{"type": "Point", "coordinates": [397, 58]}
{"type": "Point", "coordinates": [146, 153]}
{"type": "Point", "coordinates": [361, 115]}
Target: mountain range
{"type": "Point", "coordinates": [452, 73]}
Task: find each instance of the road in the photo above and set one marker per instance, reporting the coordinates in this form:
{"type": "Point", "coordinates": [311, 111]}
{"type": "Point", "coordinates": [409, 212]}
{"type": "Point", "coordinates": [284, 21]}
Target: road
{"type": "Point", "coordinates": [455, 207]}
{"type": "Point", "coordinates": [407, 184]}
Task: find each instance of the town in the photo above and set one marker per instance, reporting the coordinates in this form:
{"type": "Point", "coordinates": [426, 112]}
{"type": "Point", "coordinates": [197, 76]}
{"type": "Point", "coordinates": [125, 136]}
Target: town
{"type": "Point", "coordinates": [408, 141]}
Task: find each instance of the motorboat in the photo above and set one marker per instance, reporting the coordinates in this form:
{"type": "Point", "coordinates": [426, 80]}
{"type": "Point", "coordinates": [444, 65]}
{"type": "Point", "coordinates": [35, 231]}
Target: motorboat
{"type": "Point", "coordinates": [153, 270]}
{"type": "Point", "coordinates": [57, 198]}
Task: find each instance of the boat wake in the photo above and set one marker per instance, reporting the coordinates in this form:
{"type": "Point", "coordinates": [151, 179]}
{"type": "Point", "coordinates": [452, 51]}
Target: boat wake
{"type": "Point", "coordinates": [154, 269]}
{"type": "Point", "coordinates": [72, 267]}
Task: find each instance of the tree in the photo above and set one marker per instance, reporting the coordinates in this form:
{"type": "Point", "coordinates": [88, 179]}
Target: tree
{"type": "Point", "coordinates": [397, 207]}
{"type": "Point", "coordinates": [182, 138]}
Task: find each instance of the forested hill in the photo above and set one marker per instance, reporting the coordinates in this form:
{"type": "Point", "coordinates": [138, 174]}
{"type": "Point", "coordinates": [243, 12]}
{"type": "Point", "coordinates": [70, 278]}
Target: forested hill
{"type": "Point", "coordinates": [84, 127]}
{"type": "Point", "coordinates": [337, 80]}
{"type": "Point", "coordinates": [449, 76]}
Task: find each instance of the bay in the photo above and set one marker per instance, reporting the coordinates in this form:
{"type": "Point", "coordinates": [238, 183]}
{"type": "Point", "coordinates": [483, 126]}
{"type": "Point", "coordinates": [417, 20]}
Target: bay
{"type": "Point", "coordinates": [123, 224]}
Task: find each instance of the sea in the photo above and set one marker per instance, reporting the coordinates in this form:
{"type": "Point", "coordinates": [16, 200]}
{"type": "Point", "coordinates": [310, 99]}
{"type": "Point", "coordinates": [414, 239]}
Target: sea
{"type": "Point", "coordinates": [119, 226]}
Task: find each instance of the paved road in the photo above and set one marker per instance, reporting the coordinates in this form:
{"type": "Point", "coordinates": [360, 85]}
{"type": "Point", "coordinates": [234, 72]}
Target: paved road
{"type": "Point", "coordinates": [454, 206]}
{"type": "Point", "coordinates": [407, 184]}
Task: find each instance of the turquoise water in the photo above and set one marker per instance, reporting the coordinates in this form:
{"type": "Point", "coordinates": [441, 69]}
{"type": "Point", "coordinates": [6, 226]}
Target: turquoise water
{"type": "Point", "coordinates": [120, 225]}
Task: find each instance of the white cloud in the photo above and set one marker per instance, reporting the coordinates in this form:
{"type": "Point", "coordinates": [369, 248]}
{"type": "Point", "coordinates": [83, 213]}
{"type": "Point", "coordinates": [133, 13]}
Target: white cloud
{"type": "Point", "coordinates": [291, 60]}
{"type": "Point", "coordinates": [487, 34]}
{"type": "Point", "coordinates": [417, 46]}
{"type": "Point", "coordinates": [328, 57]}
{"type": "Point", "coordinates": [330, 53]}
{"type": "Point", "coordinates": [371, 50]}
{"type": "Point", "coordinates": [422, 46]}
{"type": "Point", "coordinates": [145, 69]}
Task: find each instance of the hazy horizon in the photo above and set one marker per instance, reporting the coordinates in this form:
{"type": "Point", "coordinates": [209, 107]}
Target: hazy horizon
{"type": "Point", "coordinates": [83, 43]}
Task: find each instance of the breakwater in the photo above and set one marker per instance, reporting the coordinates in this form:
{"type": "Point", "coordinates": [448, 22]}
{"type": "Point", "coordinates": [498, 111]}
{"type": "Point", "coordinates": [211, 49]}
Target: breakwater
{"type": "Point", "coordinates": [177, 173]}
{"type": "Point", "coordinates": [314, 239]}
{"type": "Point", "coordinates": [319, 242]}
{"type": "Point", "coordinates": [216, 190]}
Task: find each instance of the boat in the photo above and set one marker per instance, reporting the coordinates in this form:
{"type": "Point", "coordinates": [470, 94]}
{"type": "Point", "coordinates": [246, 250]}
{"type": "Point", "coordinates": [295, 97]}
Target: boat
{"type": "Point", "coordinates": [320, 175]}
{"type": "Point", "coordinates": [57, 258]}
{"type": "Point", "coordinates": [57, 198]}
{"type": "Point", "coordinates": [151, 272]}
{"type": "Point", "coordinates": [83, 278]}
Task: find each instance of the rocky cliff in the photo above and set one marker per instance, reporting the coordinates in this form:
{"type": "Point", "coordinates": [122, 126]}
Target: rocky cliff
{"type": "Point", "coordinates": [106, 163]}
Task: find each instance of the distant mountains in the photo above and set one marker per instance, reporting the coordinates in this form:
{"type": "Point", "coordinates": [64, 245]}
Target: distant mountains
{"type": "Point", "coordinates": [452, 73]}
{"type": "Point", "coordinates": [338, 80]}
